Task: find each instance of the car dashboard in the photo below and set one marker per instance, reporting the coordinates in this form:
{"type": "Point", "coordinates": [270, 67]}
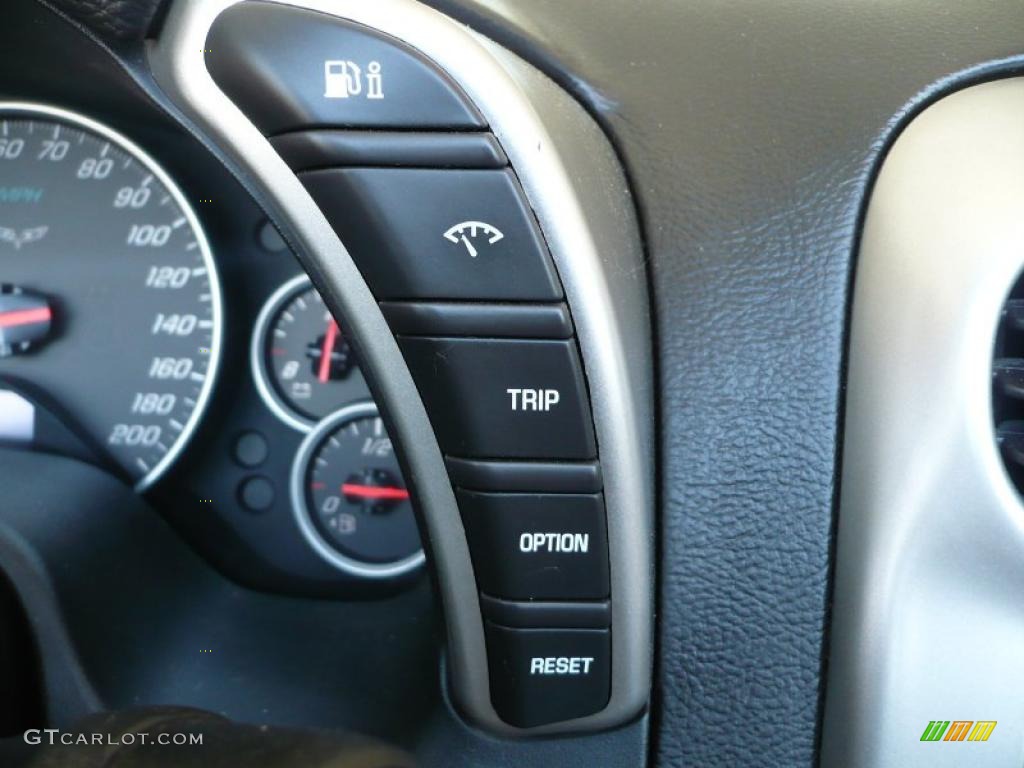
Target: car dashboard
{"type": "Point", "coordinates": [465, 383]}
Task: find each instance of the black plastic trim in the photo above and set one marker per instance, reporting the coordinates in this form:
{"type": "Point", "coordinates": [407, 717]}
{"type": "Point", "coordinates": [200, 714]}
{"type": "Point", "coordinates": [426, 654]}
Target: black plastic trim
{"type": "Point", "coordinates": [516, 321]}
{"type": "Point", "coordinates": [547, 615]}
{"type": "Point", "coordinates": [308, 150]}
{"type": "Point", "coordinates": [525, 476]}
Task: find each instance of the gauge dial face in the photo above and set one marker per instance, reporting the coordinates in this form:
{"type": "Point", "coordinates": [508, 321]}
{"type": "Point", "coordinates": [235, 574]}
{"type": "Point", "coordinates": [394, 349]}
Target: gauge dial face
{"type": "Point", "coordinates": [350, 499]}
{"type": "Point", "coordinates": [110, 304]}
{"type": "Point", "coordinates": [302, 362]}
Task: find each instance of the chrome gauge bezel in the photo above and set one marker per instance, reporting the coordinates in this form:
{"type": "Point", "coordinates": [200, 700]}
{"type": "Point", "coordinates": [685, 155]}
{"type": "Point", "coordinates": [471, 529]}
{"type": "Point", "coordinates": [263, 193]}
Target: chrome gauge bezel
{"type": "Point", "coordinates": [28, 110]}
{"type": "Point", "coordinates": [304, 516]}
{"type": "Point", "coordinates": [257, 359]}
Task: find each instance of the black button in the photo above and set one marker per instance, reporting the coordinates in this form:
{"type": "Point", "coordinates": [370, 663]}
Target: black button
{"type": "Point", "coordinates": [251, 449]}
{"type": "Point", "coordinates": [429, 234]}
{"type": "Point", "coordinates": [541, 676]}
{"type": "Point", "coordinates": [499, 398]}
{"type": "Point", "coordinates": [256, 494]}
{"type": "Point", "coordinates": [303, 150]}
{"type": "Point", "coordinates": [290, 68]}
{"type": "Point", "coordinates": [537, 547]}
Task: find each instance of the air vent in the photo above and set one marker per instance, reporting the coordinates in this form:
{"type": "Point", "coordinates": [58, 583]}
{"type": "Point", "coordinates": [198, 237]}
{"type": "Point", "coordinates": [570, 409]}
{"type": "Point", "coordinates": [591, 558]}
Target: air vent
{"type": "Point", "coordinates": [1008, 385]}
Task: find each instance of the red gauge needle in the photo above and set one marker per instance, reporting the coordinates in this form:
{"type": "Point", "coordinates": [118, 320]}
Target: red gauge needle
{"type": "Point", "coordinates": [17, 317]}
{"type": "Point", "coordinates": [323, 373]}
{"type": "Point", "coordinates": [374, 491]}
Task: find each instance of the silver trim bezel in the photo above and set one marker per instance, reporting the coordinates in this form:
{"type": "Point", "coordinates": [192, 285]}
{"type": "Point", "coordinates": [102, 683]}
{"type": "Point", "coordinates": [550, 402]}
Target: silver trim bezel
{"type": "Point", "coordinates": [928, 615]}
{"type": "Point", "coordinates": [138, 153]}
{"type": "Point", "coordinates": [575, 184]}
{"type": "Point", "coordinates": [257, 362]}
{"type": "Point", "coordinates": [303, 515]}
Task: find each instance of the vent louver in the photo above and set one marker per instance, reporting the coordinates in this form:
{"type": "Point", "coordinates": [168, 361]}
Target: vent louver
{"type": "Point", "coordinates": [1008, 385]}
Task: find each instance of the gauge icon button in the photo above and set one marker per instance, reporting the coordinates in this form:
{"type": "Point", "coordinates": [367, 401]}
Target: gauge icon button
{"type": "Point", "coordinates": [349, 497]}
{"type": "Point", "coordinates": [302, 363]}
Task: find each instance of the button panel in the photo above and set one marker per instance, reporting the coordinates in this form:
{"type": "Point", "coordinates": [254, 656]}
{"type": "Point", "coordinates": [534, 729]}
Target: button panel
{"type": "Point", "coordinates": [502, 398]}
{"type": "Point", "coordinates": [429, 206]}
{"type": "Point", "coordinates": [537, 547]}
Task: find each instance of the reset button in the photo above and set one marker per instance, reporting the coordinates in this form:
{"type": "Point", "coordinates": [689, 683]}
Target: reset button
{"type": "Point", "coordinates": [541, 676]}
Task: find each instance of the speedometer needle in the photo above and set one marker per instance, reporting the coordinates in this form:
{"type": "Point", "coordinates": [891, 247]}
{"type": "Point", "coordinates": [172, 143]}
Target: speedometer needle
{"type": "Point", "coordinates": [17, 317]}
{"type": "Point", "coordinates": [323, 373]}
{"type": "Point", "coordinates": [374, 491]}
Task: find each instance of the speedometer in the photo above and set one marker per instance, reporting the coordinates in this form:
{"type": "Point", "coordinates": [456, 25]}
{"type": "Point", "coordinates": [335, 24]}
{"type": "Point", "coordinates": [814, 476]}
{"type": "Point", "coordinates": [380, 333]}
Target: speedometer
{"type": "Point", "coordinates": [109, 296]}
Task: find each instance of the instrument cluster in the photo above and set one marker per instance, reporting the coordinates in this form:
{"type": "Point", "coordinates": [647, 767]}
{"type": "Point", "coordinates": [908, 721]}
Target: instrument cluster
{"type": "Point", "coordinates": [204, 371]}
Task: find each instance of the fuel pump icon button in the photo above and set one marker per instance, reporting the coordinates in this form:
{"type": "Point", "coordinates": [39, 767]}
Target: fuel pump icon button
{"type": "Point", "coordinates": [343, 79]}
{"type": "Point", "coordinates": [291, 68]}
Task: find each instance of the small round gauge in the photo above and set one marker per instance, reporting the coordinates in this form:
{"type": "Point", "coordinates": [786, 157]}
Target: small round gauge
{"type": "Point", "coordinates": [109, 303]}
{"type": "Point", "coordinates": [349, 497]}
{"type": "Point", "coordinates": [303, 365]}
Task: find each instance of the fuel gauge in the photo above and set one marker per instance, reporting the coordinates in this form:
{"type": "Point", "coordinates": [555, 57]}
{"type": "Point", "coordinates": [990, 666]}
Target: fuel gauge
{"type": "Point", "coordinates": [349, 497]}
{"type": "Point", "coordinates": [302, 363]}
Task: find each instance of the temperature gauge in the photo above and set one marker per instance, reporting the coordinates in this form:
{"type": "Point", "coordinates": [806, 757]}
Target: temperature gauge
{"type": "Point", "coordinates": [301, 360]}
{"type": "Point", "coordinates": [349, 497]}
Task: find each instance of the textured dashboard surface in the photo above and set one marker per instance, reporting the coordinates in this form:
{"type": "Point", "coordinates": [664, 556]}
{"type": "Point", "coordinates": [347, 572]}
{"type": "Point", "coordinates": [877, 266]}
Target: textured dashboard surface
{"type": "Point", "coordinates": [750, 130]}
{"type": "Point", "coordinates": [114, 21]}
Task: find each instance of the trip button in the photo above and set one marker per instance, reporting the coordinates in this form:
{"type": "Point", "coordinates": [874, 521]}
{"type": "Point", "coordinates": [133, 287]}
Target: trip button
{"type": "Point", "coordinates": [437, 234]}
{"type": "Point", "coordinates": [503, 398]}
{"type": "Point", "coordinates": [537, 547]}
{"type": "Point", "coordinates": [541, 676]}
{"type": "Point", "coordinates": [290, 68]}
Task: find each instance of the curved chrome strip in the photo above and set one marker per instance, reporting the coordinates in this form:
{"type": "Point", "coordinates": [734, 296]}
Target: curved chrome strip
{"type": "Point", "coordinates": [577, 189]}
{"type": "Point", "coordinates": [303, 516]}
{"type": "Point", "coordinates": [138, 153]}
{"type": "Point", "coordinates": [929, 598]}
